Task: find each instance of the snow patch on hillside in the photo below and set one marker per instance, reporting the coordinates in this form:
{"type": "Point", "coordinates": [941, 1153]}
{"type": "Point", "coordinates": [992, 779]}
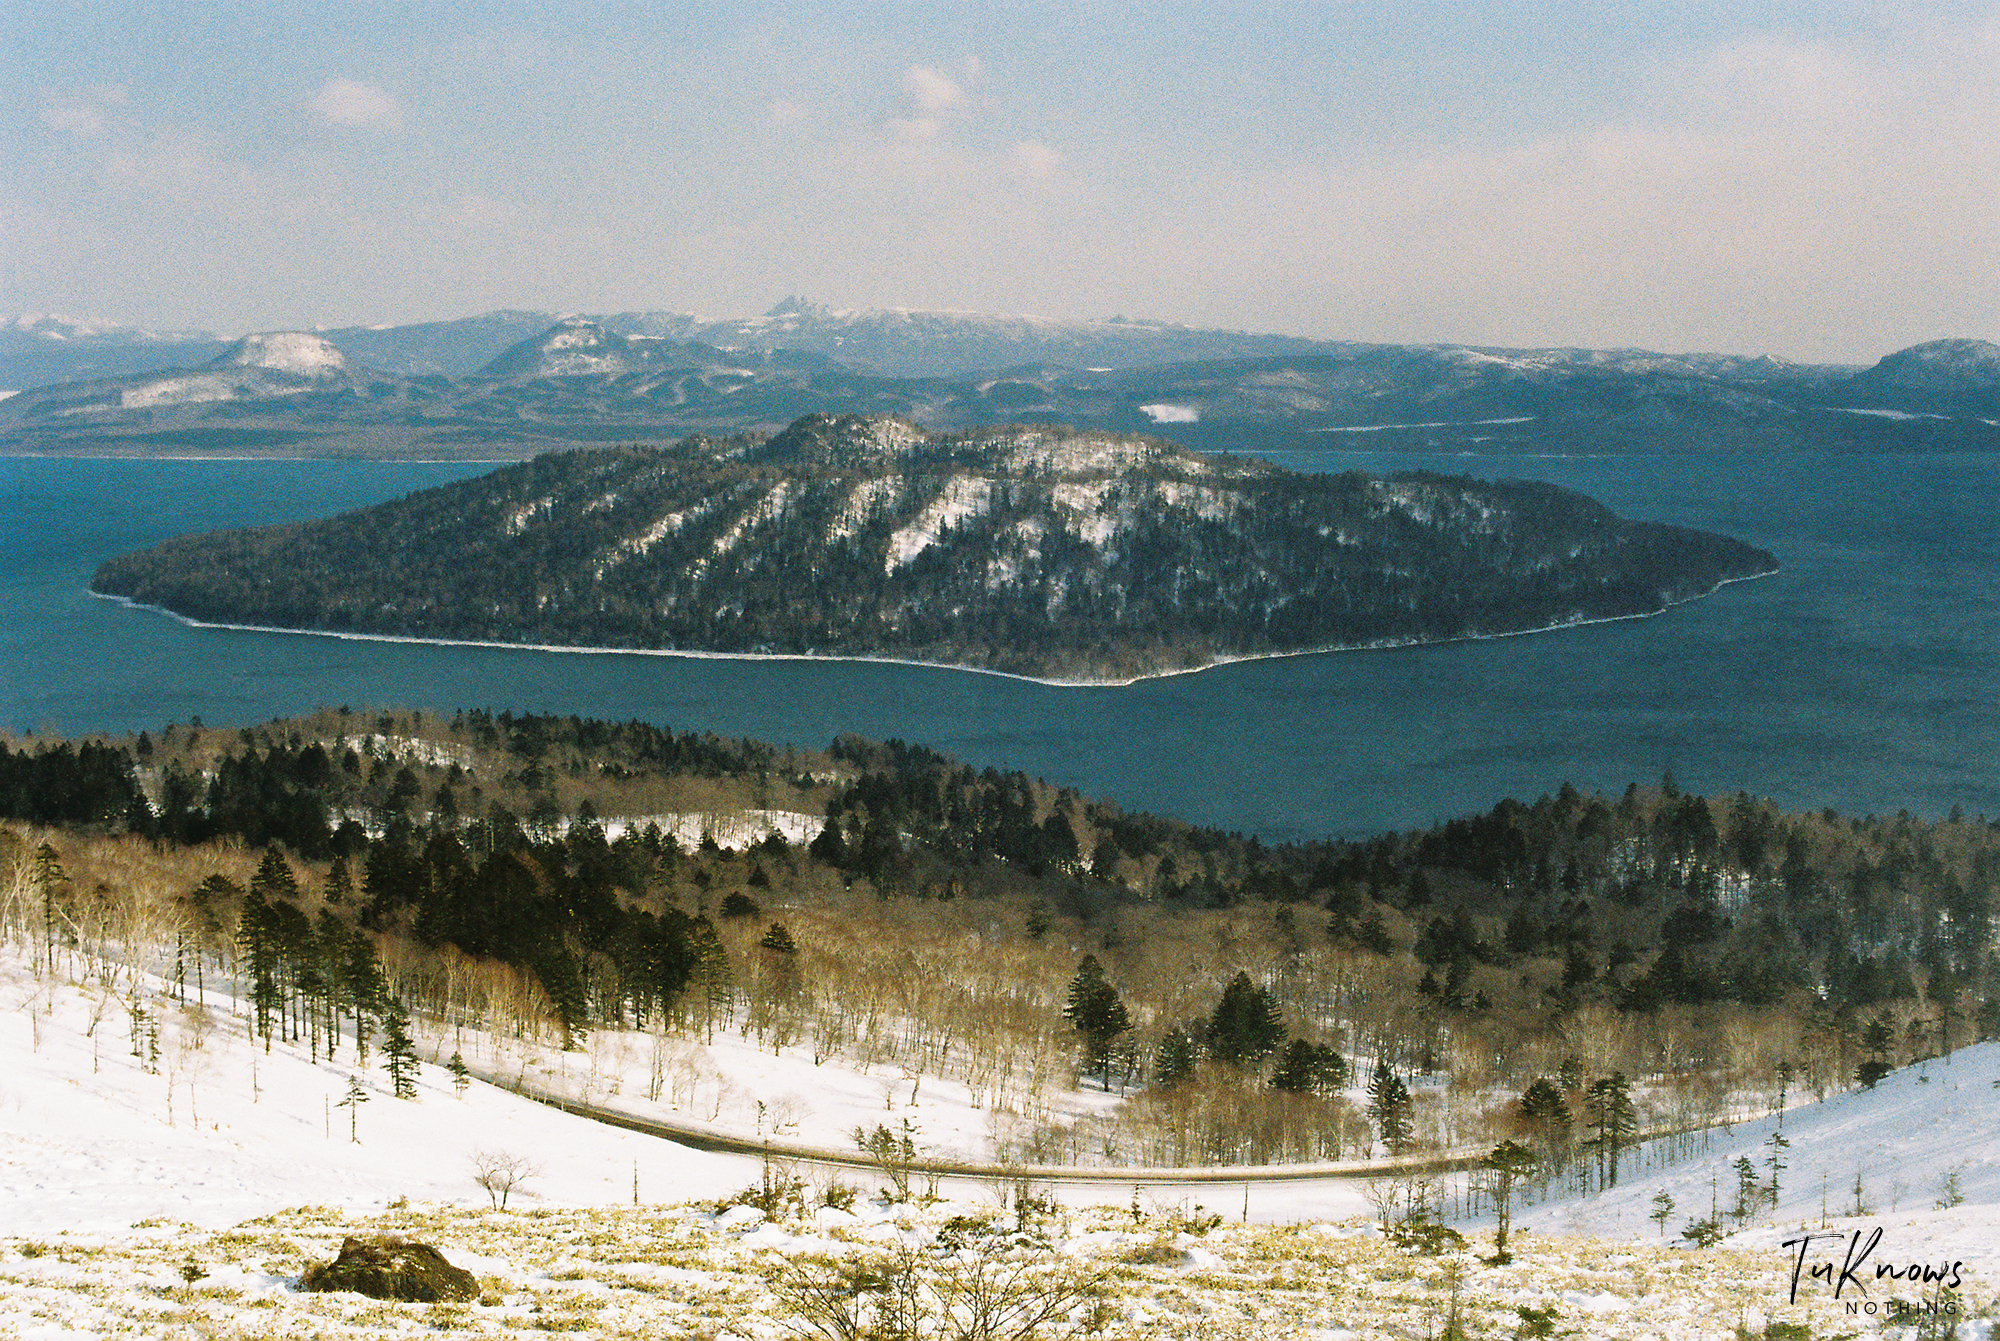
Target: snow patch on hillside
{"type": "Point", "coordinates": [217, 1130]}
{"type": "Point", "coordinates": [1033, 450]}
{"type": "Point", "coordinates": [734, 830]}
{"type": "Point", "coordinates": [861, 503]}
{"type": "Point", "coordinates": [410, 749]}
{"type": "Point", "coordinates": [1206, 503]}
{"type": "Point", "coordinates": [285, 351]}
{"type": "Point", "coordinates": [963, 497]}
{"type": "Point", "coordinates": [770, 507]}
{"type": "Point", "coordinates": [518, 520]}
{"type": "Point", "coordinates": [1081, 507]}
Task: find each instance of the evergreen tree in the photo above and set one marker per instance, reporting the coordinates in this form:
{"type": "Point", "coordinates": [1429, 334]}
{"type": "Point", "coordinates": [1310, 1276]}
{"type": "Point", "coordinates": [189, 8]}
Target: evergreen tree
{"type": "Point", "coordinates": [1389, 1109]}
{"type": "Point", "coordinates": [1609, 1103]}
{"type": "Point", "coordinates": [1545, 1113]}
{"type": "Point", "coordinates": [1505, 1165]}
{"type": "Point", "coordinates": [399, 1053]}
{"type": "Point", "coordinates": [1246, 1027]}
{"type": "Point", "coordinates": [339, 882]}
{"type": "Point", "coordinates": [1095, 1011]}
{"type": "Point", "coordinates": [1309, 1068]}
{"type": "Point", "coordinates": [1749, 1192]}
{"type": "Point", "coordinates": [712, 979]}
{"type": "Point", "coordinates": [461, 1074]}
{"type": "Point", "coordinates": [257, 944]}
{"type": "Point", "coordinates": [366, 990]}
{"type": "Point", "coordinates": [49, 877]}
{"type": "Point", "coordinates": [1175, 1059]}
{"type": "Point", "coordinates": [352, 1101]}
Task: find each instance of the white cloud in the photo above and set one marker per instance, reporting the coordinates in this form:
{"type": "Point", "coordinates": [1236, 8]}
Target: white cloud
{"type": "Point", "coordinates": [931, 90]}
{"type": "Point", "coordinates": [346, 102]}
{"type": "Point", "coordinates": [84, 114]}
{"type": "Point", "coordinates": [73, 118]}
{"type": "Point", "coordinates": [1035, 159]}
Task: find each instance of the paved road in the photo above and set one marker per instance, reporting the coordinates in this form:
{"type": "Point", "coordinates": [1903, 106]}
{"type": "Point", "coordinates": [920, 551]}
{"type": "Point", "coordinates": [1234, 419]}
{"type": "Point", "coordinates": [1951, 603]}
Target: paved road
{"type": "Point", "coordinates": [701, 1138]}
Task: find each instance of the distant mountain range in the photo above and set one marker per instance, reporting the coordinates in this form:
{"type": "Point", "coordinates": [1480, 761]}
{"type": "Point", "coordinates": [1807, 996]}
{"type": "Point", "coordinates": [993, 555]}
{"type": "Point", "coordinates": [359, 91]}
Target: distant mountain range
{"type": "Point", "coordinates": [1040, 551]}
{"type": "Point", "coordinates": [510, 384]}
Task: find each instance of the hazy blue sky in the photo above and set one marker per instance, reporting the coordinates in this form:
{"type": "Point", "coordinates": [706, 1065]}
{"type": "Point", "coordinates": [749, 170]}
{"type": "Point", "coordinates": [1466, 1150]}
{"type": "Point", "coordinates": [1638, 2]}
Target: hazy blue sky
{"type": "Point", "coordinates": [1813, 181]}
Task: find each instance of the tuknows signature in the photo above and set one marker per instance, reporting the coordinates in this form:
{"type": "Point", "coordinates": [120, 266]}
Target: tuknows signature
{"type": "Point", "coordinates": [1849, 1270]}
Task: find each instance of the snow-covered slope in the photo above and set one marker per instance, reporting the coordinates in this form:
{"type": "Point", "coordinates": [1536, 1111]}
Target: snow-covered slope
{"type": "Point", "coordinates": [214, 1129]}
{"type": "Point", "coordinates": [285, 351]}
{"type": "Point", "coordinates": [274, 365]}
{"type": "Point", "coordinates": [1888, 1158]}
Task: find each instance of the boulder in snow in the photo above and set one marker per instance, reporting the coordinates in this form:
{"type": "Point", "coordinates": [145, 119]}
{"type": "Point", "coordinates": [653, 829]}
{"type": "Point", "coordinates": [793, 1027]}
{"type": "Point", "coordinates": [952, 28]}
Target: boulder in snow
{"type": "Point", "coordinates": [389, 1266]}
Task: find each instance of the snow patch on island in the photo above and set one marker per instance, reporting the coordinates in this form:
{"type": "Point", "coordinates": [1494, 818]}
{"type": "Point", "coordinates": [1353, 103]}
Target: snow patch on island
{"type": "Point", "coordinates": [861, 504]}
{"type": "Point", "coordinates": [964, 497]}
{"type": "Point", "coordinates": [1172, 414]}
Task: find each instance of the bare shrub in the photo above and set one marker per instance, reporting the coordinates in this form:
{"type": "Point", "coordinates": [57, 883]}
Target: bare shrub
{"type": "Point", "coordinates": [984, 1291]}
{"type": "Point", "coordinates": [499, 1173]}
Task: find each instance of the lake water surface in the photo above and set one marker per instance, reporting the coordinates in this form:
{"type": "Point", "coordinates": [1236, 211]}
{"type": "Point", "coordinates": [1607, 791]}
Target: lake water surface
{"type": "Point", "coordinates": [1865, 676]}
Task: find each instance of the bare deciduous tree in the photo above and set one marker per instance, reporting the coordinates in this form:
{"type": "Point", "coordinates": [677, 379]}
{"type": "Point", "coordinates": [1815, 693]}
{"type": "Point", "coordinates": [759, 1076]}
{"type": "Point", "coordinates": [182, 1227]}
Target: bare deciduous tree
{"type": "Point", "coordinates": [499, 1173]}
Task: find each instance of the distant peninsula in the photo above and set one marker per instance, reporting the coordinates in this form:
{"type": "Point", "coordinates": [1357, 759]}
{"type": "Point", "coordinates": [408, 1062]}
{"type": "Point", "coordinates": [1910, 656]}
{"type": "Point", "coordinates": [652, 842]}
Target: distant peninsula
{"type": "Point", "coordinates": [1038, 551]}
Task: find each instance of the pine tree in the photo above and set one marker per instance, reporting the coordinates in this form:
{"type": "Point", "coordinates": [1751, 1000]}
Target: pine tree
{"type": "Point", "coordinates": [1543, 1110]}
{"type": "Point", "coordinates": [712, 979]}
{"type": "Point", "coordinates": [1609, 1103]}
{"type": "Point", "coordinates": [1389, 1109]}
{"type": "Point", "coordinates": [1309, 1068]}
{"type": "Point", "coordinates": [1175, 1059]}
{"type": "Point", "coordinates": [461, 1074]}
{"type": "Point", "coordinates": [49, 877]}
{"type": "Point", "coordinates": [367, 991]}
{"type": "Point", "coordinates": [1749, 1192]}
{"type": "Point", "coordinates": [1095, 1011]}
{"type": "Point", "coordinates": [1246, 1027]}
{"type": "Point", "coordinates": [1505, 1165]}
{"type": "Point", "coordinates": [339, 882]}
{"type": "Point", "coordinates": [1776, 1163]}
{"type": "Point", "coordinates": [399, 1053]}
{"type": "Point", "coordinates": [352, 1101]}
{"type": "Point", "coordinates": [257, 944]}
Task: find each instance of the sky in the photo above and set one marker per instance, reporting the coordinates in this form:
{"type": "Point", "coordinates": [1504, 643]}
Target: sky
{"type": "Point", "coordinates": [1812, 181]}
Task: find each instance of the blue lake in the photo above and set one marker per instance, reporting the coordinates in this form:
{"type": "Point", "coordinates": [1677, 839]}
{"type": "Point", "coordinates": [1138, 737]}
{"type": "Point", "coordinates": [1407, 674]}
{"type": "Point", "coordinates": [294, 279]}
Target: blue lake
{"type": "Point", "coordinates": [1865, 676]}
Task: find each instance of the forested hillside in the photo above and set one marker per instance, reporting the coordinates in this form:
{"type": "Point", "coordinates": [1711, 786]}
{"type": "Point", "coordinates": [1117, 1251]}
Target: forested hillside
{"type": "Point", "coordinates": [1034, 551]}
{"type": "Point", "coordinates": [557, 875]}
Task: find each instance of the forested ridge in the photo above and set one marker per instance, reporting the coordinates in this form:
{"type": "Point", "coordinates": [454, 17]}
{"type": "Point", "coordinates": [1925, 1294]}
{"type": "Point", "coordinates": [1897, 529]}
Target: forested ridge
{"type": "Point", "coordinates": [1039, 551]}
{"type": "Point", "coordinates": [974, 921]}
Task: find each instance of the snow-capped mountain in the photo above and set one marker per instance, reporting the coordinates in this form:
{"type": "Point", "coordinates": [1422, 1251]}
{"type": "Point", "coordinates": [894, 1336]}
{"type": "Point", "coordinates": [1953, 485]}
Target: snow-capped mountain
{"type": "Point", "coordinates": [270, 366]}
{"type": "Point", "coordinates": [514, 383]}
{"type": "Point", "coordinates": [285, 351]}
{"type": "Point", "coordinates": [37, 349]}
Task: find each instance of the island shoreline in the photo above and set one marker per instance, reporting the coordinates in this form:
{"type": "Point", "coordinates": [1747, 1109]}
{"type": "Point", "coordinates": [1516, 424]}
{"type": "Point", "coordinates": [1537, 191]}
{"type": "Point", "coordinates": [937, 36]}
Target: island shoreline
{"type": "Point", "coordinates": [695, 654]}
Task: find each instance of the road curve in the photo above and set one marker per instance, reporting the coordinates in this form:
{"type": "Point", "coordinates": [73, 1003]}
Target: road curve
{"type": "Point", "coordinates": [701, 1138]}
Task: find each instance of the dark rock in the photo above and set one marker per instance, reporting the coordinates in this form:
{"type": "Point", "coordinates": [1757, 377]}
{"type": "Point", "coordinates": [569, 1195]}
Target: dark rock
{"type": "Point", "coordinates": [389, 1266]}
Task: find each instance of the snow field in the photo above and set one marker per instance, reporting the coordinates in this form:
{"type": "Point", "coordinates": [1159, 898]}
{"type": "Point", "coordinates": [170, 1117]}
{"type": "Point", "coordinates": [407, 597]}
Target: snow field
{"type": "Point", "coordinates": [690, 1271]}
{"type": "Point", "coordinates": [116, 1169]}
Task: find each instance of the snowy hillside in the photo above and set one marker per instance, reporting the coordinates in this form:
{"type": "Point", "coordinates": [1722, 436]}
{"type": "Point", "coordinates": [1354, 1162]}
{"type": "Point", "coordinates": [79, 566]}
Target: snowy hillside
{"type": "Point", "coordinates": [142, 1149]}
{"type": "Point", "coordinates": [1928, 1135]}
